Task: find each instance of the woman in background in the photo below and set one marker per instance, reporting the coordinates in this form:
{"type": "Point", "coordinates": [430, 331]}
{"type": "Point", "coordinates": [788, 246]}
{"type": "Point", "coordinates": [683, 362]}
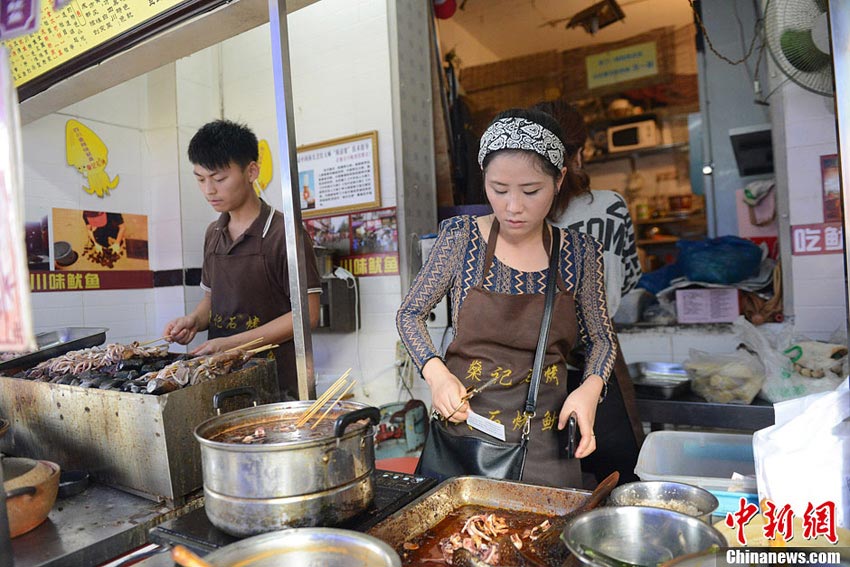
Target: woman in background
{"type": "Point", "coordinates": [605, 216]}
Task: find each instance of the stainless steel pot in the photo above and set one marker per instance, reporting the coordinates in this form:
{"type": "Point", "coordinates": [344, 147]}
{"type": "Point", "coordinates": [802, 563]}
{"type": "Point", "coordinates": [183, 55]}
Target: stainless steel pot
{"type": "Point", "coordinates": [327, 547]}
{"type": "Point", "coordinates": [256, 488]}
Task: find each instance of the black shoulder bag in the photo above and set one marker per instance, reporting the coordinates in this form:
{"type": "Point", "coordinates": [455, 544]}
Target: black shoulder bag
{"type": "Point", "coordinates": [445, 455]}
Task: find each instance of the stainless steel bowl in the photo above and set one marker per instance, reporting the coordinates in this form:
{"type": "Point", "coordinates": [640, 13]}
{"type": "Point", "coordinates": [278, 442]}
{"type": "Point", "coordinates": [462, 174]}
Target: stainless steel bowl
{"type": "Point", "coordinates": [676, 496]}
{"type": "Point", "coordinates": [638, 535]}
{"type": "Point", "coordinates": [328, 547]}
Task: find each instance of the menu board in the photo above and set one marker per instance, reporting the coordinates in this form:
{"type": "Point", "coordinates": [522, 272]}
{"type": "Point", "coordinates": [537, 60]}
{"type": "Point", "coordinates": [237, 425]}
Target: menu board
{"type": "Point", "coordinates": [75, 29]}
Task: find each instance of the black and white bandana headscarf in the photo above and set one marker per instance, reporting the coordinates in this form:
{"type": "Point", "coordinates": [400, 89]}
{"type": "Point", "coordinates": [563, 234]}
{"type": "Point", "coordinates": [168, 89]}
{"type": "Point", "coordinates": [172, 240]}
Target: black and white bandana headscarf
{"type": "Point", "coordinates": [516, 133]}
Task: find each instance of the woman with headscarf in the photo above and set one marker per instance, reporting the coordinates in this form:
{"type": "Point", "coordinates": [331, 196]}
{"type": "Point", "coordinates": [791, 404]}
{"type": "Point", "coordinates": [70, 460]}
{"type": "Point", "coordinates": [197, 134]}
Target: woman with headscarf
{"type": "Point", "coordinates": [494, 270]}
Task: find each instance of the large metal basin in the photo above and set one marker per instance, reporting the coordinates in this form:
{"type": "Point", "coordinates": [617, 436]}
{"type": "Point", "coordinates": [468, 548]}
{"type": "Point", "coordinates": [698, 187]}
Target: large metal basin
{"type": "Point", "coordinates": [636, 535]}
{"type": "Point", "coordinates": [327, 547]}
{"type": "Point", "coordinates": [320, 481]}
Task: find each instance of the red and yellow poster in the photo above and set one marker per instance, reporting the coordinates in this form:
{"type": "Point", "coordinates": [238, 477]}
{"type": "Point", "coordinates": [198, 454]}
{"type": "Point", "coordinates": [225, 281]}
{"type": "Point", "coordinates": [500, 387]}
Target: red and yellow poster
{"type": "Point", "coordinates": [365, 243]}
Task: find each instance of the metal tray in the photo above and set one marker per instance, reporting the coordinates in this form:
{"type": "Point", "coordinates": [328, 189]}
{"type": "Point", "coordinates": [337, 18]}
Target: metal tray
{"type": "Point", "coordinates": [55, 343]}
{"type": "Point", "coordinates": [659, 380]}
{"type": "Point", "coordinates": [434, 506]}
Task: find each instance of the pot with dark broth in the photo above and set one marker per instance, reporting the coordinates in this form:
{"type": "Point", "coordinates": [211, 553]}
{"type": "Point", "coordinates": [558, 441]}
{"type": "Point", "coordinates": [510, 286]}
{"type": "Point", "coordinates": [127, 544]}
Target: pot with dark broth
{"type": "Point", "coordinates": [261, 473]}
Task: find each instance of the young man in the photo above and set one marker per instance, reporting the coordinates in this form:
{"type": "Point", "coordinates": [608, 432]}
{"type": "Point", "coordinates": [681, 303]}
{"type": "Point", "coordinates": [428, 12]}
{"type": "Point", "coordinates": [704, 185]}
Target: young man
{"type": "Point", "coordinates": [244, 273]}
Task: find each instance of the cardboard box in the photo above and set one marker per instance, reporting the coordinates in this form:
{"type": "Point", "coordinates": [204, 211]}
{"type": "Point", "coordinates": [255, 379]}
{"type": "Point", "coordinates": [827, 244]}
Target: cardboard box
{"type": "Point", "coordinates": [707, 305]}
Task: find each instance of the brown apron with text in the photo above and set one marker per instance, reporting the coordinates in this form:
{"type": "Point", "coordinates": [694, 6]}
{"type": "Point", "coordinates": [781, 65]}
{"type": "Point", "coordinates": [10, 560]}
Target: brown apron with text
{"type": "Point", "coordinates": [497, 336]}
{"type": "Point", "coordinates": [244, 298]}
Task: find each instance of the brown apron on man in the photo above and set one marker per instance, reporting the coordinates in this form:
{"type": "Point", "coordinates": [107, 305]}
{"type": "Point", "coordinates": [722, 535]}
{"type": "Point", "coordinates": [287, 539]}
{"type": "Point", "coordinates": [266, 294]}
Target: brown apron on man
{"type": "Point", "coordinates": [497, 336]}
{"type": "Point", "coordinates": [244, 298]}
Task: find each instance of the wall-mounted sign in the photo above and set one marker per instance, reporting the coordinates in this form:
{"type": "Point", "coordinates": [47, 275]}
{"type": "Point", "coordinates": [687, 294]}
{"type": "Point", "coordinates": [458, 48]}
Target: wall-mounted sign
{"type": "Point", "coordinates": [339, 175]}
{"type": "Point", "coordinates": [365, 243]}
{"type": "Point", "coordinates": [264, 160]}
{"type": "Point", "coordinates": [87, 152]}
{"type": "Point", "coordinates": [620, 65]}
{"type": "Point", "coordinates": [811, 239]}
{"type": "Point", "coordinates": [831, 184]}
{"type": "Point", "coordinates": [69, 32]}
{"type": "Point", "coordinates": [89, 281]}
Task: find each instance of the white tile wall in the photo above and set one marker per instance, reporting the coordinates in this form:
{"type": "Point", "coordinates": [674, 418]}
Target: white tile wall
{"type": "Point", "coordinates": [673, 344]}
{"type": "Point", "coordinates": [339, 52]}
{"type": "Point", "coordinates": [819, 292]}
{"type": "Point", "coordinates": [137, 123]}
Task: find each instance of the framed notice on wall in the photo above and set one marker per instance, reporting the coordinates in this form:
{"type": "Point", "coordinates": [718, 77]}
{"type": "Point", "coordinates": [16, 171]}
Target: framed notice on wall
{"type": "Point", "coordinates": [339, 176]}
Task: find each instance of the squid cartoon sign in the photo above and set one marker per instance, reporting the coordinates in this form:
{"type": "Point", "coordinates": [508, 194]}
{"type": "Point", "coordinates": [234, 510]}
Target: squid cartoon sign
{"type": "Point", "coordinates": [266, 170]}
{"type": "Point", "coordinates": [87, 152]}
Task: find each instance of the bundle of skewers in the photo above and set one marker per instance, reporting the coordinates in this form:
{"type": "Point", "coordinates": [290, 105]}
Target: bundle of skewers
{"type": "Point", "coordinates": [259, 435]}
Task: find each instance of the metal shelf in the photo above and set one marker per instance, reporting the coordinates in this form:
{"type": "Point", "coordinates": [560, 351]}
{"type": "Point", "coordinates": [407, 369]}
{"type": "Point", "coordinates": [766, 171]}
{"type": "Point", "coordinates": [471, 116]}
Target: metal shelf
{"type": "Point", "coordinates": [632, 154]}
{"type": "Point", "coordinates": [660, 240]}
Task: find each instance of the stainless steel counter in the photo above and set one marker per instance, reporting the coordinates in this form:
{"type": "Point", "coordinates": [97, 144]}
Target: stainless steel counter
{"type": "Point", "coordinates": [92, 527]}
{"type": "Point", "coordinates": [690, 409]}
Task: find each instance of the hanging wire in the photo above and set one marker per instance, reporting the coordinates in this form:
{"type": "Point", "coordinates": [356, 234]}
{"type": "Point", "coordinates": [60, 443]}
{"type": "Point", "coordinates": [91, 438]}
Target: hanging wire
{"type": "Point", "coordinates": [711, 46]}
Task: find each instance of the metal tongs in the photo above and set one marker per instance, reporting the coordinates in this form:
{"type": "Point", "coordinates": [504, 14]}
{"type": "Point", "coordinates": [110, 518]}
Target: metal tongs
{"type": "Point", "coordinates": [471, 391]}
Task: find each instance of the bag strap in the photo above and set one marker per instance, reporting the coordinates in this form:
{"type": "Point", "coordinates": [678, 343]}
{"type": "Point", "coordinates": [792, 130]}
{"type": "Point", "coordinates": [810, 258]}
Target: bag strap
{"type": "Point", "coordinates": [543, 338]}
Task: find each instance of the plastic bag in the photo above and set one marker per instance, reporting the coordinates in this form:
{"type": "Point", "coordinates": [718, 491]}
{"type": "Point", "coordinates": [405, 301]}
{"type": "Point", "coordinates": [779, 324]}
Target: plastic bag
{"type": "Point", "coordinates": [804, 460]}
{"type": "Point", "coordinates": [725, 378]}
{"type": "Point", "coordinates": [723, 260]}
{"type": "Point", "coordinates": [782, 381]}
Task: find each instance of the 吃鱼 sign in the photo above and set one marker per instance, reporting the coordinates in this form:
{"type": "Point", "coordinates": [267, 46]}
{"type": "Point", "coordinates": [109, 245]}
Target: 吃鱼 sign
{"type": "Point", "coordinates": [810, 239]}
{"type": "Point", "coordinates": [339, 175]}
{"type": "Point", "coordinates": [620, 65]}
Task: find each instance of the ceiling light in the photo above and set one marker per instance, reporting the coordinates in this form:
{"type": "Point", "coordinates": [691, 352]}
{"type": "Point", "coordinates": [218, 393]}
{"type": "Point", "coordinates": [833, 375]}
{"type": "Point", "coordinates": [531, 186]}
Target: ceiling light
{"type": "Point", "coordinates": [598, 16]}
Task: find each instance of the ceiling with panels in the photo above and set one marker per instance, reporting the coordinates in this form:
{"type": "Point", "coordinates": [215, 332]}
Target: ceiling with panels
{"type": "Point", "coordinates": [490, 30]}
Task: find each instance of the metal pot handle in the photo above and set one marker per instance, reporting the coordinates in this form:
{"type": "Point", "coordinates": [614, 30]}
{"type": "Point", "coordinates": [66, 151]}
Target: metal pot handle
{"type": "Point", "coordinates": [342, 422]}
{"type": "Point", "coordinates": [219, 397]}
{"type": "Point", "coordinates": [20, 491]}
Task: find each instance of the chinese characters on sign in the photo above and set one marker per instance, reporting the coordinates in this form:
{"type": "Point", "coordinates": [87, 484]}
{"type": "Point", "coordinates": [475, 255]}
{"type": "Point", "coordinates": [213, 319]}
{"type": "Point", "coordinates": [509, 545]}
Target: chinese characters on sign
{"type": "Point", "coordinates": [70, 32]}
{"type": "Point", "coordinates": [90, 281]}
{"type": "Point", "coordinates": [365, 244]}
{"type": "Point", "coordinates": [339, 175]}
{"type": "Point", "coordinates": [816, 521]}
{"type": "Point", "coordinates": [810, 239]}
{"type": "Point", "coordinates": [620, 65]}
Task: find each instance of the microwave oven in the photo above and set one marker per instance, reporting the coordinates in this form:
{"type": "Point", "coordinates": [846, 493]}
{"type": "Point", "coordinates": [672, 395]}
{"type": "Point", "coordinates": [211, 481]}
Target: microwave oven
{"type": "Point", "coordinates": [633, 136]}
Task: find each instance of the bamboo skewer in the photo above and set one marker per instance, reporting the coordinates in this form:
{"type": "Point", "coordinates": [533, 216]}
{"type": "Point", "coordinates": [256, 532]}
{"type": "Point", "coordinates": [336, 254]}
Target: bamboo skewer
{"type": "Point", "coordinates": [262, 348]}
{"type": "Point", "coordinates": [320, 402]}
{"type": "Point", "coordinates": [322, 399]}
{"type": "Point", "coordinates": [330, 407]}
{"type": "Point", "coordinates": [249, 343]}
{"type": "Point", "coordinates": [165, 338]}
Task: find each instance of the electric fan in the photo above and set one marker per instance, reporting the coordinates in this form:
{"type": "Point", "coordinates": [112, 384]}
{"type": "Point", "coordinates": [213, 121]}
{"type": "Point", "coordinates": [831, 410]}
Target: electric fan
{"type": "Point", "coordinates": [797, 33]}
